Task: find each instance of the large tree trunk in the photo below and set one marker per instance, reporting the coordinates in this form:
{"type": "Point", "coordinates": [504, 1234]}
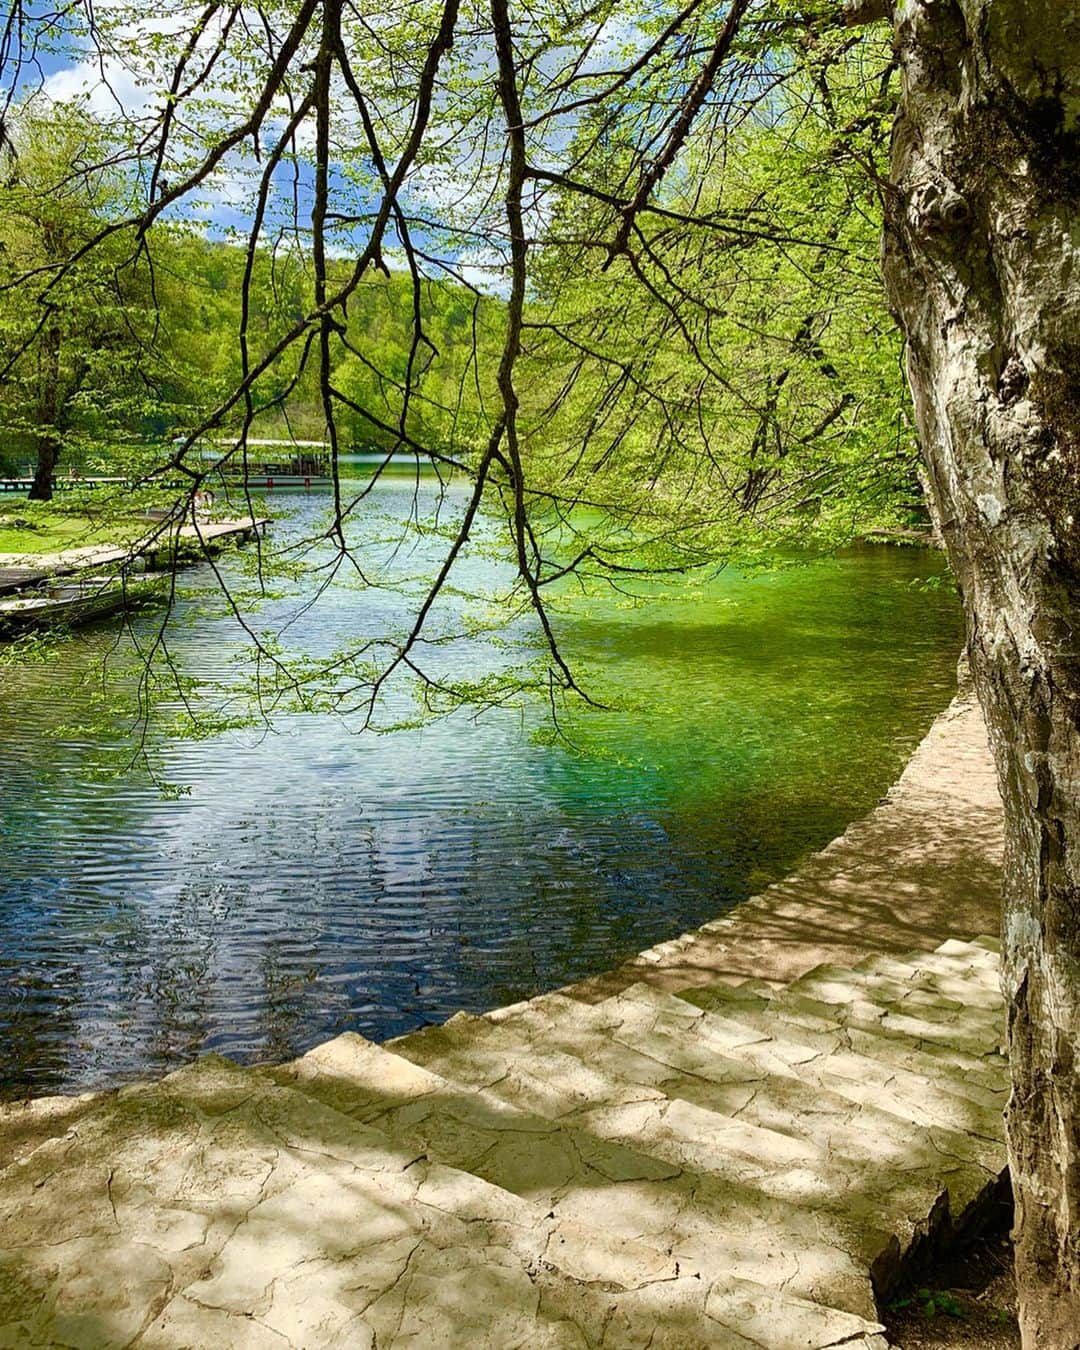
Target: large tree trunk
{"type": "Point", "coordinates": [48, 452]}
{"type": "Point", "coordinates": [48, 435]}
{"type": "Point", "coordinates": [982, 262]}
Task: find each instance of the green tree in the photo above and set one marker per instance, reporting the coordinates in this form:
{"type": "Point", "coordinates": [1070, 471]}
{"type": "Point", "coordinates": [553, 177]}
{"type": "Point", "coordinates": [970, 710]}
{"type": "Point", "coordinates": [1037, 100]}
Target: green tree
{"type": "Point", "coordinates": [746, 365]}
{"type": "Point", "coordinates": [71, 332]}
{"type": "Point", "coordinates": [982, 261]}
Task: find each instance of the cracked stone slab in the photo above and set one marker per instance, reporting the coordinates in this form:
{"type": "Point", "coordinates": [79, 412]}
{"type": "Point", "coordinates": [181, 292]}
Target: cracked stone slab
{"type": "Point", "coordinates": [888, 1087]}
{"type": "Point", "coordinates": [24, 1126]}
{"type": "Point", "coordinates": [583, 1171]}
{"type": "Point", "coordinates": [891, 1113]}
{"type": "Point", "coordinates": [862, 1139]}
{"type": "Point", "coordinates": [614, 1035]}
{"type": "Point", "coordinates": [471, 1129]}
{"type": "Point", "coordinates": [788, 1167]}
{"type": "Point", "coordinates": [219, 1209]}
{"type": "Point", "coordinates": [893, 984]}
{"type": "Point", "coordinates": [857, 1028]}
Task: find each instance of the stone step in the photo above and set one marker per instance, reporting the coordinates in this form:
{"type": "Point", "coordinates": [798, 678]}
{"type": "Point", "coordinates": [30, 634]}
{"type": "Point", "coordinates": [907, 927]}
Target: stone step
{"type": "Point", "coordinates": [985, 941]}
{"type": "Point", "coordinates": [952, 957]}
{"type": "Point", "coordinates": [612, 1065]}
{"type": "Point", "coordinates": [968, 961]}
{"type": "Point", "coordinates": [25, 1126]}
{"type": "Point", "coordinates": [910, 1096]}
{"type": "Point", "coordinates": [967, 1072]}
{"type": "Point", "coordinates": [903, 988]}
{"type": "Point", "coordinates": [924, 1099]}
{"type": "Point", "coordinates": [903, 991]}
{"type": "Point", "coordinates": [972, 985]}
{"type": "Point", "coordinates": [219, 1208]}
{"type": "Point", "coordinates": [951, 960]}
{"type": "Point", "coordinates": [929, 1102]}
{"type": "Point", "coordinates": [472, 1128]}
{"type": "Point", "coordinates": [783, 1050]}
{"type": "Point", "coordinates": [552, 1160]}
{"type": "Point", "coordinates": [960, 1013]}
{"type": "Point", "coordinates": [793, 1046]}
{"type": "Point", "coordinates": [977, 950]}
{"type": "Point", "coordinates": [763, 1216]}
{"type": "Point", "coordinates": [863, 1029]}
{"type": "Point", "coordinates": [864, 1129]}
{"type": "Point", "coordinates": [371, 1082]}
{"type": "Point", "coordinates": [532, 1154]}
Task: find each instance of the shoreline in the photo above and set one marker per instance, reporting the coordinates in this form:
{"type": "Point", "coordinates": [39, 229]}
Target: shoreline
{"type": "Point", "coordinates": [922, 867]}
{"type": "Point", "coordinates": [770, 1159]}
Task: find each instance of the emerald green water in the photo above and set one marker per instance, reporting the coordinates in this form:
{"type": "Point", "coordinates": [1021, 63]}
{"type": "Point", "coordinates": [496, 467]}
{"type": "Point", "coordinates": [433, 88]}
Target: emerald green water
{"type": "Point", "coordinates": [315, 880]}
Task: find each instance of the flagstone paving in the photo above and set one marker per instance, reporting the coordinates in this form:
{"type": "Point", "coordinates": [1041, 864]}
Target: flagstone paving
{"type": "Point", "coordinates": [737, 1167]}
{"type": "Point", "coordinates": [711, 1163]}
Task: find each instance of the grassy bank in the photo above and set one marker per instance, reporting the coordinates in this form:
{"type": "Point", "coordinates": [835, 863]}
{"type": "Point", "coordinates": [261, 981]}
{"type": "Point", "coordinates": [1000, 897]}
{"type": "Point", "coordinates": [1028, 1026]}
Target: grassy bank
{"type": "Point", "coordinates": [49, 527]}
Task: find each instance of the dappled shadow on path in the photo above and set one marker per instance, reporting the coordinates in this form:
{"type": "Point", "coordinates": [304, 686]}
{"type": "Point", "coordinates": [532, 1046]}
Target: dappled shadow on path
{"type": "Point", "coordinates": [216, 1208]}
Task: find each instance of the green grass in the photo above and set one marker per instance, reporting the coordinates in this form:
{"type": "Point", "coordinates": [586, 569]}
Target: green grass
{"type": "Point", "coordinates": [49, 527]}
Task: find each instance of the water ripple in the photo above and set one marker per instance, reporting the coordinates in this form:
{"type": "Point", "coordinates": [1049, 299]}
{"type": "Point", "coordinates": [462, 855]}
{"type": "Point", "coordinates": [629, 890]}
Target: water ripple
{"type": "Point", "coordinates": [315, 881]}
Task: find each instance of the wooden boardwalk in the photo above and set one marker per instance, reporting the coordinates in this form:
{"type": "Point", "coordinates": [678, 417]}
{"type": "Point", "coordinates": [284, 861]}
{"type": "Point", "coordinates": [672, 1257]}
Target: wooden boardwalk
{"type": "Point", "coordinates": [21, 485]}
{"type": "Point", "coordinates": [258, 478]}
{"type": "Point", "coordinates": [21, 571]}
{"type": "Point", "coordinates": [13, 579]}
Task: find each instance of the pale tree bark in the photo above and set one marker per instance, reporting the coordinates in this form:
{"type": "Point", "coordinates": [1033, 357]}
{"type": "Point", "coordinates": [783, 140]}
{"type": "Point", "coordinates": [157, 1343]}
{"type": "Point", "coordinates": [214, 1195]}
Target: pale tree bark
{"type": "Point", "coordinates": [982, 263]}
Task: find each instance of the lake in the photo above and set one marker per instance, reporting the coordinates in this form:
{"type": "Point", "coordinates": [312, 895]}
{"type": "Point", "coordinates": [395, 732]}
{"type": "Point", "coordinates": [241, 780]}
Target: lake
{"type": "Point", "coordinates": [315, 880]}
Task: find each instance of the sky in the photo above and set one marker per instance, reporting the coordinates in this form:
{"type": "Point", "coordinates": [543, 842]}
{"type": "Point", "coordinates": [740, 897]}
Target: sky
{"type": "Point", "coordinates": [122, 90]}
{"type": "Point", "coordinates": [121, 80]}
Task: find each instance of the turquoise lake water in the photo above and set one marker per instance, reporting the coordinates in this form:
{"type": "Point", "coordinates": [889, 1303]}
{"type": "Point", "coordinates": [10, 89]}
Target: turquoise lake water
{"type": "Point", "coordinates": [315, 880]}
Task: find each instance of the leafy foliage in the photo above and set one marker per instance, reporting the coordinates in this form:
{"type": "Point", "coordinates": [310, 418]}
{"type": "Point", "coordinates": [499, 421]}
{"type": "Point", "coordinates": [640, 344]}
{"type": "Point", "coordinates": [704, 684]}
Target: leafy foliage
{"type": "Point", "coordinates": [739, 375]}
{"type": "Point", "coordinates": [619, 271]}
{"type": "Point", "coordinates": [76, 322]}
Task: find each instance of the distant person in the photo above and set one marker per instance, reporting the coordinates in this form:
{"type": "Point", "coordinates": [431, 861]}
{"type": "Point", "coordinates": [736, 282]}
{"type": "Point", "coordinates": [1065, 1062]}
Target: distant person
{"type": "Point", "coordinates": [203, 503]}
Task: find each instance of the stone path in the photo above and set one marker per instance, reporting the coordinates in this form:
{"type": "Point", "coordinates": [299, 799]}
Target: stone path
{"type": "Point", "coordinates": [682, 1159]}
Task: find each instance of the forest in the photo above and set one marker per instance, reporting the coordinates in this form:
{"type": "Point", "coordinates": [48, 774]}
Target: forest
{"type": "Point", "coordinates": [775, 393]}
